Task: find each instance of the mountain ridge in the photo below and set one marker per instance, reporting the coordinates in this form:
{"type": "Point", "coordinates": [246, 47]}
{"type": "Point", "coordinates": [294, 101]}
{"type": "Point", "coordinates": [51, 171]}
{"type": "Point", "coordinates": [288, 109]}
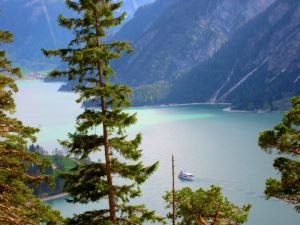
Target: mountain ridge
{"type": "Point", "coordinates": [34, 25]}
{"type": "Point", "coordinates": [259, 68]}
{"type": "Point", "coordinates": [176, 40]}
{"type": "Point", "coordinates": [243, 52]}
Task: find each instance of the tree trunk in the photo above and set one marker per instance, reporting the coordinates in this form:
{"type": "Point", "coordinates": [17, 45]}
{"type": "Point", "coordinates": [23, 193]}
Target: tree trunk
{"type": "Point", "coordinates": [111, 193]}
{"type": "Point", "coordinates": [201, 221]}
{"type": "Point", "coordinates": [216, 216]}
{"type": "Point", "coordinates": [173, 191]}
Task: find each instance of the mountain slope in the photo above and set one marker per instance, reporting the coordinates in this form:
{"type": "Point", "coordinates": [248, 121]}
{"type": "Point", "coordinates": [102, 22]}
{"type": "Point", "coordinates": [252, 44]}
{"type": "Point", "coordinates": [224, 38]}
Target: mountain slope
{"type": "Point", "coordinates": [34, 25]}
{"type": "Point", "coordinates": [258, 68]}
{"type": "Point", "coordinates": [180, 35]}
{"type": "Point", "coordinates": [142, 19]}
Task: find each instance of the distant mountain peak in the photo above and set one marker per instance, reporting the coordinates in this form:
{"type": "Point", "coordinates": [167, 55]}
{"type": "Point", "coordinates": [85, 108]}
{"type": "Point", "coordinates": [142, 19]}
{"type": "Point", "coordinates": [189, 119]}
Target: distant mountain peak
{"type": "Point", "coordinates": [34, 25]}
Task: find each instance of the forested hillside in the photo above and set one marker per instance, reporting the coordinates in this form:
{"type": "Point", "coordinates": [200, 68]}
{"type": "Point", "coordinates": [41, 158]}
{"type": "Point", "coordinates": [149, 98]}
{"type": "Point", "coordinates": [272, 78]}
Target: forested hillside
{"type": "Point", "coordinates": [222, 51]}
{"type": "Point", "coordinates": [258, 69]}
{"type": "Point", "coordinates": [185, 51]}
{"type": "Point", "coordinates": [171, 36]}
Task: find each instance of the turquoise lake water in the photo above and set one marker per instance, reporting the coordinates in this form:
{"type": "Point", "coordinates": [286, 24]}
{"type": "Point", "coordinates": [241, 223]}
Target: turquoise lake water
{"type": "Point", "coordinates": [218, 147]}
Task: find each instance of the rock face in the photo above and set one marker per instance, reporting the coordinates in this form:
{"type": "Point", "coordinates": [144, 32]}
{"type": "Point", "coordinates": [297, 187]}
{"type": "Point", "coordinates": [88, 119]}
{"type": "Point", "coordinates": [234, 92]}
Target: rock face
{"type": "Point", "coordinates": [259, 68]}
{"type": "Point", "coordinates": [179, 35]}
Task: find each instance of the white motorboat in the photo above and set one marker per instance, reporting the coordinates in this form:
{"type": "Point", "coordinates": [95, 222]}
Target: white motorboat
{"type": "Point", "coordinates": [186, 176]}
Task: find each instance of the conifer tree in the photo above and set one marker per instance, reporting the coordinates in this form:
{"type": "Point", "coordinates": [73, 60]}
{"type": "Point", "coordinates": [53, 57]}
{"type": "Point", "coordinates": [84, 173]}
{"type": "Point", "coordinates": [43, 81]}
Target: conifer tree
{"type": "Point", "coordinates": [120, 172]}
{"type": "Point", "coordinates": [17, 203]}
{"type": "Point", "coordinates": [285, 139]}
{"type": "Point", "coordinates": [205, 207]}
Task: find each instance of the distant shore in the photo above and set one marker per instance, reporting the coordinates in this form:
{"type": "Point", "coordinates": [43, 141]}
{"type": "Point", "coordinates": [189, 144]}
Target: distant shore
{"type": "Point", "coordinates": [225, 109]}
{"type": "Point", "coordinates": [177, 104]}
{"type": "Point", "coordinates": [228, 109]}
{"type": "Point", "coordinates": [52, 197]}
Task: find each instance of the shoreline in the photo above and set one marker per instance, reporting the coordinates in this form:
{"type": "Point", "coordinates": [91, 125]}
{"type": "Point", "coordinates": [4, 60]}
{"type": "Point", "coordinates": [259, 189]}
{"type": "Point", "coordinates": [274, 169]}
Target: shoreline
{"type": "Point", "coordinates": [228, 109]}
{"type": "Point", "coordinates": [53, 197]}
{"type": "Point", "coordinates": [177, 104]}
{"type": "Point", "coordinates": [138, 106]}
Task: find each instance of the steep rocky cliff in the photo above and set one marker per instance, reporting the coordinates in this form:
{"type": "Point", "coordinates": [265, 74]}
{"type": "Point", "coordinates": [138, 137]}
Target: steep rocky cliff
{"type": "Point", "coordinates": [172, 36]}
{"type": "Point", "coordinates": [259, 68]}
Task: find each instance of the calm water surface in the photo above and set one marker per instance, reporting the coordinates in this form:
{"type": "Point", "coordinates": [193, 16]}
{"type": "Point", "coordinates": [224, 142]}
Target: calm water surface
{"type": "Point", "coordinates": [218, 147]}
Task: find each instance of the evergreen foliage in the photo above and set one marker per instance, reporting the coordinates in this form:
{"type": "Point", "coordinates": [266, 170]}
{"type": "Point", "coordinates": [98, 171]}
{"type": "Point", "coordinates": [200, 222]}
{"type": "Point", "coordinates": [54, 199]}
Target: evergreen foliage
{"type": "Point", "coordinates": [205, 207]}
{"type": "Point", "coordinates": [285, 138]}
{"type": "Point", "coordinates": [59, 163]}
{"type": "Point", "coordinates": [17, 203]}
{"type": "Point", "coordinates": [88, 57]}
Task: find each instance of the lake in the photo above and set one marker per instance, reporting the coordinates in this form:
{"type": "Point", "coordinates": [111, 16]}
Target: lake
{"type": "Point", "coordinates": [218, 147]}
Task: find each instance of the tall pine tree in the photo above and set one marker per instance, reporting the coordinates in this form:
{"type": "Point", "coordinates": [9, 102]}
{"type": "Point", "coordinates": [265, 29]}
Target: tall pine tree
{"type": "Point", "coordinates": [120, 172]}
{"type": "Point", "coordinates": [17, 203]}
